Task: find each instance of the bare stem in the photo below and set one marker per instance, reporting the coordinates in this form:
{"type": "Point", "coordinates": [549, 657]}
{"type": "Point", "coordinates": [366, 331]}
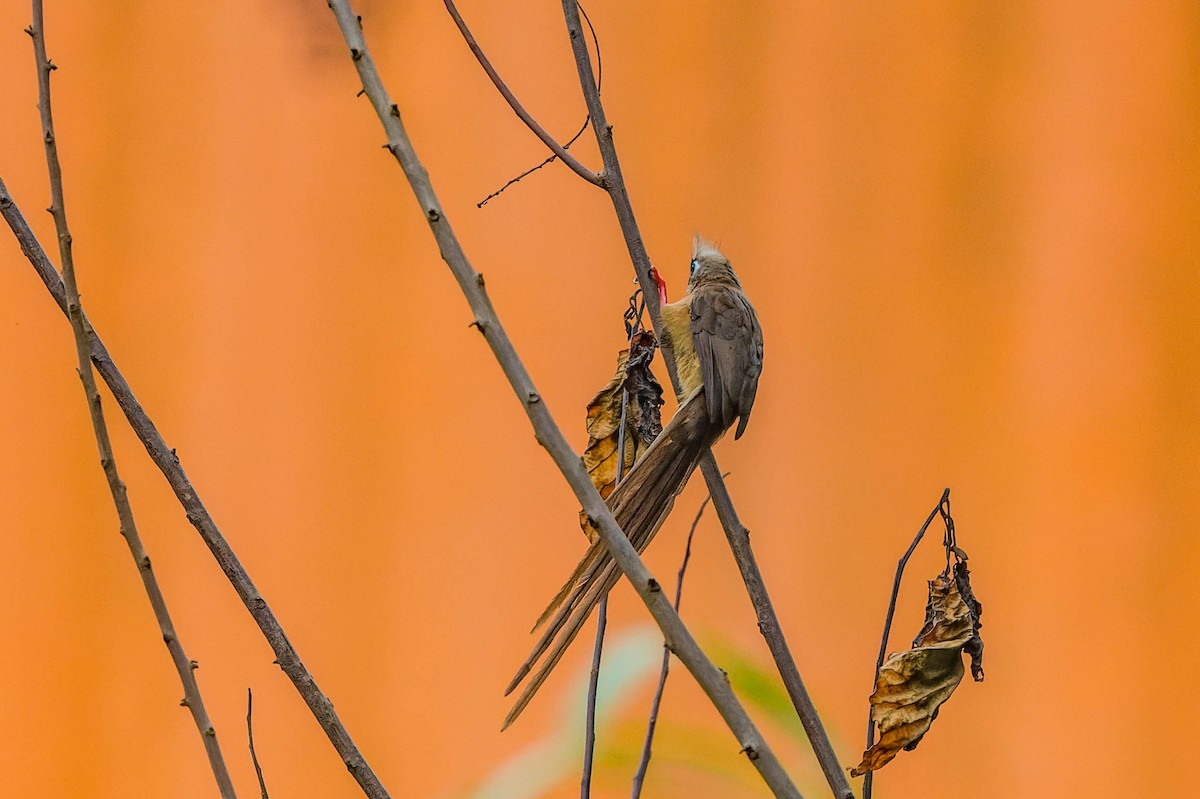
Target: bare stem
{"type": "Point", "coordinates": [192, 698]}
{"type": "Point", "coordinates": [639, 776]}
{"type": "Point", "coordinates": [734, 531]}
{"type": "Point", "coordinates": [510, 98]}
{"type": "Point", "coordinates": [168, 463]}
{"type": "Point", "coordinates": [546, 430]}
{"type": "Point", "coordinates": [887, 626]}
{"type": "Point", "coordinates": [258, 772]}
{"type": "Point", "coordinates": [589, 729]}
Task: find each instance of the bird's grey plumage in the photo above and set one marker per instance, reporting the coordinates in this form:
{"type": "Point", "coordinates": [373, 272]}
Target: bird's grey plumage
{"type": "Point", "coordinates": [718, 345]}
{"type": "Point", "coordinates": [729, 346]}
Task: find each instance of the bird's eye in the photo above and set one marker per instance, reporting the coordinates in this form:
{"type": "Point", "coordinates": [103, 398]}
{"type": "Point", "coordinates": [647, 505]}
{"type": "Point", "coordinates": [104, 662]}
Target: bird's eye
{"type": "Point", "coordinates": [695, 265]}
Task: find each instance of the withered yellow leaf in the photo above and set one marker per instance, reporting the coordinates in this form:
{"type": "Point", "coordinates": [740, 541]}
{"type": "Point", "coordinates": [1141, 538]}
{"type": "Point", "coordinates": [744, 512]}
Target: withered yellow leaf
{"type": "Point", "coordinates": [643, 421]}
{"type": "Point", "coordinates": [913, 684]}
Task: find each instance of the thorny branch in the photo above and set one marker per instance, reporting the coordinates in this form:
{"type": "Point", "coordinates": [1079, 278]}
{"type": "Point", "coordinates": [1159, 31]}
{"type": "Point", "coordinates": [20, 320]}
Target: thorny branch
{"type": "Point", "coordinates": [192, 698]}
{"type": "Point", "coordinates": [168, 463]}
{"type": "Point", "coordinates": [545, 428]}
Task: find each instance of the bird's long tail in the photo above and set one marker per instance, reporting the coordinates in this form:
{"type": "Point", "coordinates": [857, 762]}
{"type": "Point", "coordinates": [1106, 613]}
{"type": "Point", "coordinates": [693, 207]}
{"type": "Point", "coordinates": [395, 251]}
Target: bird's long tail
{"type": "Point", "coordinates": [640, 503]}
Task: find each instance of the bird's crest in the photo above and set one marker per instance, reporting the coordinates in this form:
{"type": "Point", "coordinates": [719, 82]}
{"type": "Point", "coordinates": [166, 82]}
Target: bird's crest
{"type": "Point", "coordinates": [703, 247]}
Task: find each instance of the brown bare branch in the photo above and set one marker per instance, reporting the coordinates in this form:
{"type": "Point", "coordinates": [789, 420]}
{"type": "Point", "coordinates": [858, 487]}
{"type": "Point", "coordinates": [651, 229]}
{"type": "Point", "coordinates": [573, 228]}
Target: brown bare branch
{"type": "Point", "coordinates": [510, 98]}
{"type": "Point", "coordinates": [737, 535]}
{"type": "Point", "coordinates": [168, 463]}
{"type": "Point", "coordinates": [192, 698]}
{"type": "Point", "coordinates": [548, 434]}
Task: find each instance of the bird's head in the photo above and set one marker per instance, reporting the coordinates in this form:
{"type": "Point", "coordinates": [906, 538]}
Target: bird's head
{"type": "Point", "coordinates": [709, 265]}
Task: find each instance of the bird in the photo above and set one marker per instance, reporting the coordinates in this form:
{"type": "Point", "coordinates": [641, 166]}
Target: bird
{"type": "Point", "coordinates": [715, 336]}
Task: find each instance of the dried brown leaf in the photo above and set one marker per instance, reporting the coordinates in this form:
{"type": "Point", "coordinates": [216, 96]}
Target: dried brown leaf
{"type": "Point", "coordinates": [913, 684]}
{"type": "Point", "coordinates": [974, 646]}
{"type": "Point", "coordinates": [643, 420]}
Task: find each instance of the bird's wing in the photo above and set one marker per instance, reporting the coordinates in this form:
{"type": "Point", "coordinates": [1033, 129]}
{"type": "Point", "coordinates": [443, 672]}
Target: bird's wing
{"type": "Point", "coordinates": [728, 344]}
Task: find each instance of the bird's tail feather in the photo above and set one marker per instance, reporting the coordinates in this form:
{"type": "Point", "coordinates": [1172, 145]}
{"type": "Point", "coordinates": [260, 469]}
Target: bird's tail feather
{"type": "Point", "coordinates": [640, 503]}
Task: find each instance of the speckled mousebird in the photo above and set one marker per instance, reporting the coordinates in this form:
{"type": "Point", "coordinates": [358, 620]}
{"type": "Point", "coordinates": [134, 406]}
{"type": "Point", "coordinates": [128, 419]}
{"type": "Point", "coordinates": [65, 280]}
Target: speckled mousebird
{"type": "Point", "coordinates": [714, 333]}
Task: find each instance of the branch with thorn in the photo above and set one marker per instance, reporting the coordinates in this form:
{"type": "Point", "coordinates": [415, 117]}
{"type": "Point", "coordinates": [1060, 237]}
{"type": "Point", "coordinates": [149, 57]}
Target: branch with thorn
{"type": "Point", "coordinates": [168, 463]}
{"type": "Point", "coordinates": [81, 330]}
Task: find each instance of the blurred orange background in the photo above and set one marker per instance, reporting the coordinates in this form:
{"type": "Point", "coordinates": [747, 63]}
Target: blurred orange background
{"type": "Point", "coordinates": [972, 233]}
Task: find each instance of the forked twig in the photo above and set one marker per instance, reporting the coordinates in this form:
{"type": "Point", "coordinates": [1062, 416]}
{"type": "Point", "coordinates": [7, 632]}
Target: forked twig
{"type": "Point", "coordinates": [192, 698]}
{"type": "Point", "coordinates": [943, 508]}
{"type": "Point", "coordinates": [582, 128]}
{"type": "Point", "coordinates": [545, 428]}
{"type": "Point", "coordinates": [518, 109]}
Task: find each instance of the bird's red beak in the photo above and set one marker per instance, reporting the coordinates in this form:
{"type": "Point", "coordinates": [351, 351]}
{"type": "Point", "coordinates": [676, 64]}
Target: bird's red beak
{"type": "Point", "coordinates": [662, 285]}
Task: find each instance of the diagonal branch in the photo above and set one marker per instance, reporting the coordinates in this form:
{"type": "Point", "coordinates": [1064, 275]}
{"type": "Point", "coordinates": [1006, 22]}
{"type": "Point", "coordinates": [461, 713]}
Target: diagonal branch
{"type": "Point", "coordinates": [739, 541]}
{"type": "Point", "coordinates": [192, 698]}
{"type": "Point", "coordinates": [168, 463]}
{"type": "Point", "coordinates": [677, 636]}
{"type": "Point", "coordinates": [525, 116]}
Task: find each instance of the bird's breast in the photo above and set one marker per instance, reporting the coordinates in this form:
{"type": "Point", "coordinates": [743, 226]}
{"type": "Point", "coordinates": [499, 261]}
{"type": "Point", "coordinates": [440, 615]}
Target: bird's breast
{"type": "Point", "coordinates": [677, 319]}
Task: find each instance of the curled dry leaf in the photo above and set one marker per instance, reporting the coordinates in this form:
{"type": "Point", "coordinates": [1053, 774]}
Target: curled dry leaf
{"type": "Point", "coordinates": [643, 418]}
{"type": "Point", "coordinates": [974, 645]}
{"type": "Point", "coordinates": [912, 685]}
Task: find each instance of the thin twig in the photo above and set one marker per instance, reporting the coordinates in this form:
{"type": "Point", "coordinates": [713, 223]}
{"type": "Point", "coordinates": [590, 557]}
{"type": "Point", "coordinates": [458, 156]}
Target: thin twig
{"type": "Point", "coordinates": [532, 169]}
{"type": "Point", "coordinates": [168, 463]}
{"type": "Point", "coordinates": [887, 623]}
{"type": "Point", "coordinates": [192, 698]}
{"type": "Point", "coordinates": [262, 784]}
{"type": "Point", "coordinates": [739, 542]}
{"type": "Point", "coordinates": [589, 728]}
{"type": "Point", "coordinates": [525, 116]}
{"type": "Point", "coordinates": [582, 128]}
{"type": "Point", "coordinates": [545, 428]}
{"type": "Point", "coordinates": [644, 763]}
